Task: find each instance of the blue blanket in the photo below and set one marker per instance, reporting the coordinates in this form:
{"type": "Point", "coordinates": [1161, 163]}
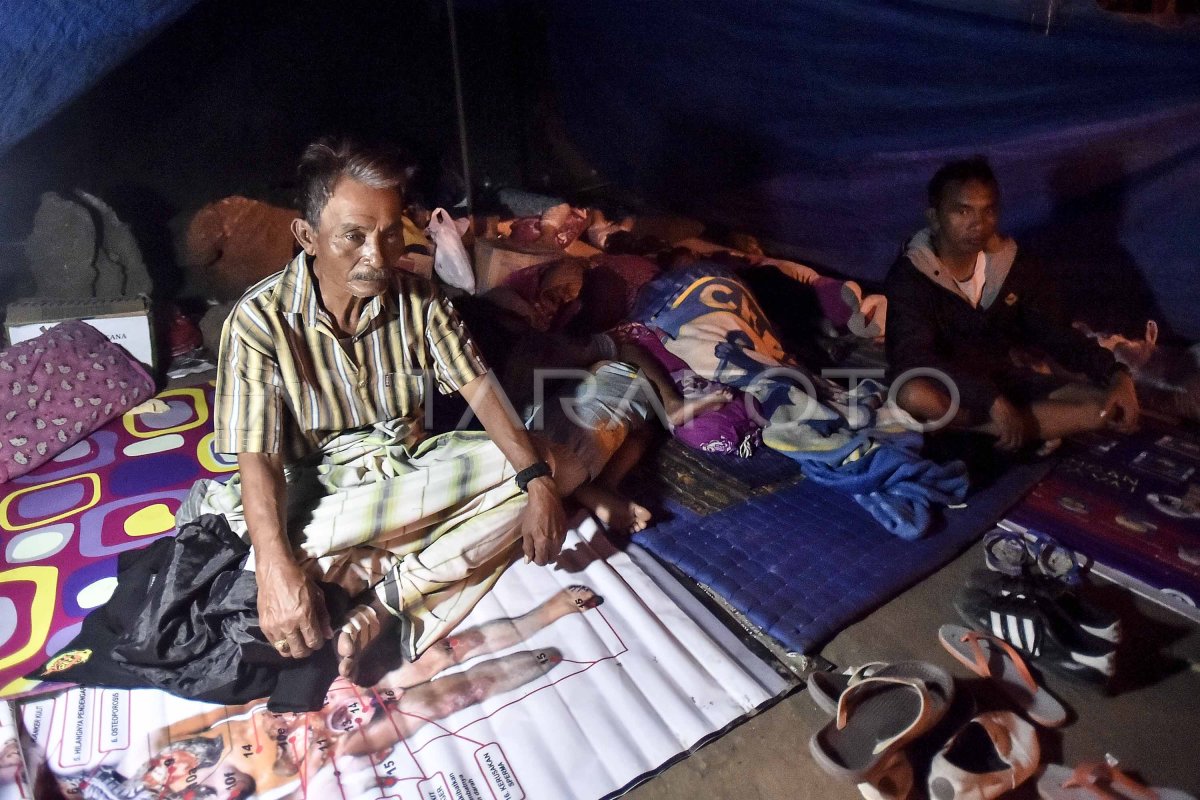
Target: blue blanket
{"type": "Point", "coordinates": [847, 439]}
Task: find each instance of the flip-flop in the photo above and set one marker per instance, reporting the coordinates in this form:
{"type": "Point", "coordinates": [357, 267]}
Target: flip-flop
{"type": "Point", "coordinates": [876, 717]}
{"type": "Point", "coordinates": [1099, 781]}
{"type": "Point", "coordinates": [994, 658]}
{"type": "Point", "coordinates": [825, 688]}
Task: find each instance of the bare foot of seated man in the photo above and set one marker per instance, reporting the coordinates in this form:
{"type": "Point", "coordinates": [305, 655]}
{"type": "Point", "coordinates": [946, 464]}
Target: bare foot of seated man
{"type": "Point", "coordinates": [368, 621]}
{"type": "Point", "coordinates": [1072, 409]}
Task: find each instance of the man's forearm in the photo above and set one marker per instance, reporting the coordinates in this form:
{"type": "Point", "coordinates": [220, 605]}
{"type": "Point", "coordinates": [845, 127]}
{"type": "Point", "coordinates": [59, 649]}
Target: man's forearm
{"type": "Point", "coordinates": [264, 492]}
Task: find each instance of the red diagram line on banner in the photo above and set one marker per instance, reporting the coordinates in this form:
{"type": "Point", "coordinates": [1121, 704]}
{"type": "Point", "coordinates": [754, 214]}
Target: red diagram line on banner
{"type": "Point", "coordinates": [302, 754]}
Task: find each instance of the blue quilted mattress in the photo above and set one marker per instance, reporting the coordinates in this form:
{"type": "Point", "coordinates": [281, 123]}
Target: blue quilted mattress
{"type": "Point", "coordinates": [804, 562]}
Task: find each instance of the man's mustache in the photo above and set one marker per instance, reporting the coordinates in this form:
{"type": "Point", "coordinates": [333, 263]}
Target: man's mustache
{"type": "Point", "coordinates": [368, 275]}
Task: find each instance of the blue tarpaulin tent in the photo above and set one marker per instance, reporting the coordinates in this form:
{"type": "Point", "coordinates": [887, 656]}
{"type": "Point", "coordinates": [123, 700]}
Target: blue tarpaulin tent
{"type": "Point", "coordinates": [816, 123]}
{"type": "Point", "coordinates": [53, 50]}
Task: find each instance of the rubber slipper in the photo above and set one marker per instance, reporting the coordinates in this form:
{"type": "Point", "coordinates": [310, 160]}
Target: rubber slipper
{"type": "Point", "coordinates": [826, 687]}
{"type": "Point", "coordinates": [993, 658]}
{"type": "Point", "coordinates": [992, 754]}
{"type": "Point", "coordinates": [1099, 781]}
{"type": "Point", "coordinates": [876, 717]}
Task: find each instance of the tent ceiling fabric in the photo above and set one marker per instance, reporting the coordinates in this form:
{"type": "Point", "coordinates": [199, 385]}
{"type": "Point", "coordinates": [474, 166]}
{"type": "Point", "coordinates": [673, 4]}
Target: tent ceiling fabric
{"type": "Point", "coordinates": [51, 51]}
{"type": "Point", "coordinates": [817, 124]}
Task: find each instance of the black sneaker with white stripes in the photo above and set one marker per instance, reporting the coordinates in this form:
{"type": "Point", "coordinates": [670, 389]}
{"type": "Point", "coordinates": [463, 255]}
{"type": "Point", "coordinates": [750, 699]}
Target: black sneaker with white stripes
{"type": "Point", "coordinates": [1094, 619]}
{"type": "Point", "coordinates": [1039, 627]}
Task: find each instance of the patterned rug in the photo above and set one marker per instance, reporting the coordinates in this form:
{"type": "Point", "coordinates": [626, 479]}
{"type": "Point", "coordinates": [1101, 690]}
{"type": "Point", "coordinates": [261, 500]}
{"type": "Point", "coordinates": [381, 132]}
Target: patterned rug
{"type": "Point", "coordinates": [1129, 502]}
{"type": "Point", "coordinates": [63, 525]}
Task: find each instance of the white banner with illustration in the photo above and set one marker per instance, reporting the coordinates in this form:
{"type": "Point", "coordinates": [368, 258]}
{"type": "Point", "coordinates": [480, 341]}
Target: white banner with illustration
{"type": "Point", "coordinates": [569, 681]}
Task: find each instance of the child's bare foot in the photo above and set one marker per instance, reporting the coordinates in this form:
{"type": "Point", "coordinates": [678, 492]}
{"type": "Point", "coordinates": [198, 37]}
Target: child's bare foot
{"type": "Point", "coordinates": [615, 513]}
{"type": "Point", "coordinates": [684, 411]}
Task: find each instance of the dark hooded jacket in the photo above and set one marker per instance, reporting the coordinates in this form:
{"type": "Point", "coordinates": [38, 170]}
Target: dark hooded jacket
{"type": "Point", "coordinates": [931, 324]}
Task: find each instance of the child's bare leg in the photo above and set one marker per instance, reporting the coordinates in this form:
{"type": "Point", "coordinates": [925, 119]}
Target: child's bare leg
{"type": "Point", "coordinates": [679, 410]}
{"type": "Point", "coordinates": [616, 512]}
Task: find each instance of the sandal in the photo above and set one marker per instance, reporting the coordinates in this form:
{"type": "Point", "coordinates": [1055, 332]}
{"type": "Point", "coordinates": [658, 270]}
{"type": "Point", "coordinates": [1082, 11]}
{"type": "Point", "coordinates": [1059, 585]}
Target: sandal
{"type": "Point", "coordinates": [875, 719]}
{"type": "Point", "coordinates": [1017, 554]}
{"type": "Point", "coordinates": [1056, 561]}
{"type": "Point", "coordinates": [825, 688]}
{"type": "Point", "coordinates": [1099, 781]}
{"type": "Point", "coordinates": [1006, 552]}
{"type": "Point", "coordinates": [992, 754]}
{"type": "Point", "coordinates": [894, 782]}
{"type": "Point", "coordinates": [994, 658]}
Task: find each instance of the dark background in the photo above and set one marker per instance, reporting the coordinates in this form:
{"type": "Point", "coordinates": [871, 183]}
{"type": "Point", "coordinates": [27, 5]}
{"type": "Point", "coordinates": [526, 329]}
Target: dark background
{"type": "Point", "coordinates": [223, 101]}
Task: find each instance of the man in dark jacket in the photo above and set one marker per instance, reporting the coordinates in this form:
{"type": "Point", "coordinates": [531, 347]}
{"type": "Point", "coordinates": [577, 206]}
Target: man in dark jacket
{"type": "Point", "coordinates": [964, 306]}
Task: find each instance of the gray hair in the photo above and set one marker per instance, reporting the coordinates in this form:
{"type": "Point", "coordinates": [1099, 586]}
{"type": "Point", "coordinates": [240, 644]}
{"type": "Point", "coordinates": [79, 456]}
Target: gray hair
{"type": "Point", "coordinates": [329, 159]}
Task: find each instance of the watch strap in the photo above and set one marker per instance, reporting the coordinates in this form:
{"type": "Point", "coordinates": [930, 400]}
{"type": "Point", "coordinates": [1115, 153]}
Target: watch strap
{"type": "Point", "coordinates": [534, 471]}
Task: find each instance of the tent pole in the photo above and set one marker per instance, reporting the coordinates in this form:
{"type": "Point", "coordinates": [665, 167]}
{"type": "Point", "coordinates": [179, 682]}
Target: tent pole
{"type": "Point", "coordinates": [459, 107]}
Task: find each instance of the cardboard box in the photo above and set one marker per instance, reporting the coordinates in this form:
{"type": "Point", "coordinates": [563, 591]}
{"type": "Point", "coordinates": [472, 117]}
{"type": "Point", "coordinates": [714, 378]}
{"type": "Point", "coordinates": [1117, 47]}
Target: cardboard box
{"type": "Point", "coordinates": [125, 321]}
{"type": "Point", "coordinates": [418, 263]}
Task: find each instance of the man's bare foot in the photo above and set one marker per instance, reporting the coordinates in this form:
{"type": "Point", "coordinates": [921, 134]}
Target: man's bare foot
{"type": "Point", "coordinates": [615, 513]}
{"type": "Point", "coordinates": [685, 410]}
{"type": "Point", "coordinates": [363, 625]}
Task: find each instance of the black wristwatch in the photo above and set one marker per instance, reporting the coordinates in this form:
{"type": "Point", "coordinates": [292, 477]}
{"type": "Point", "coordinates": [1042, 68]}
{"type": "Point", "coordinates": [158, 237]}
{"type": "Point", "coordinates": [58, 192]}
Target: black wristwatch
{"type": "Point", "coordinates": [534, 471]}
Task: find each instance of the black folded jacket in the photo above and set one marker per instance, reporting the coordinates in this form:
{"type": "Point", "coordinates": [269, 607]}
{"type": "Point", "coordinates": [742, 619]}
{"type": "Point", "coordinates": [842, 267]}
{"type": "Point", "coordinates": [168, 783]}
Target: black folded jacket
{"type": "Point", "coordinates": [184, 619]}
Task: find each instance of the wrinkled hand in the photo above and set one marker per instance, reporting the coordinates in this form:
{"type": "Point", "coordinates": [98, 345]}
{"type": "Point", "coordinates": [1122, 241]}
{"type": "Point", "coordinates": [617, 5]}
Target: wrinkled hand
{"type": "Point", "coordinates": [1121, 406]}
{"type": "Point", "coordinates": [544, 524]}
{"type": "Point", "coordinates": [291, 608]}
{"type": "Point", "coordinates": [1012, 428]}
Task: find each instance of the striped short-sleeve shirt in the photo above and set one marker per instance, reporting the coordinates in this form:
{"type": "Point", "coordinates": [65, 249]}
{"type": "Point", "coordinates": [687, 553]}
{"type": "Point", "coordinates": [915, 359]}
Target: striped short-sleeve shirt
{"type": "Point", "coordinates": [287, 385]}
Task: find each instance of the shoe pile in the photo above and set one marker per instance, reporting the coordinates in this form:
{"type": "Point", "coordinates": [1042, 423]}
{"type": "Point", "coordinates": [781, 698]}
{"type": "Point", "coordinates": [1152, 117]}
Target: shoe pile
{"type": "Point", "coordinates": [882, 711]}
{"type": "Point", "coordinates": [1032, 597]}
{"type": "Point", "coordinates": [1029, 604]}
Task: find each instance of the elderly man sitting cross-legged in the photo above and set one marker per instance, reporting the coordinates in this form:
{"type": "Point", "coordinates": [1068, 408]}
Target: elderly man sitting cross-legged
{"type": "Point", "coordinates": [320, 394]}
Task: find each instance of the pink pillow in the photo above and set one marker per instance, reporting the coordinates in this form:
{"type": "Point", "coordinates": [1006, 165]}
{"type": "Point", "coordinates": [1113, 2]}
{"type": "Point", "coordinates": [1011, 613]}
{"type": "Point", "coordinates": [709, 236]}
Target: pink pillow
{"type": "Point", "coordinates": [57, 388]}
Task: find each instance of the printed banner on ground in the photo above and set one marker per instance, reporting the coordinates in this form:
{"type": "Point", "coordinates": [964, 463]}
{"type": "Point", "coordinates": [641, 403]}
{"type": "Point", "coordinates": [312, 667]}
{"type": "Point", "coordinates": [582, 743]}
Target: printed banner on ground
{"type": "Point", "coordinates": [565, 682]}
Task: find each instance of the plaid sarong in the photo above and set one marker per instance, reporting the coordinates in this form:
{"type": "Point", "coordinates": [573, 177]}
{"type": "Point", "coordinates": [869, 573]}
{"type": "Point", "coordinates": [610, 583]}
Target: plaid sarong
{"type": "Point", "coordinates": [429, 526]}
